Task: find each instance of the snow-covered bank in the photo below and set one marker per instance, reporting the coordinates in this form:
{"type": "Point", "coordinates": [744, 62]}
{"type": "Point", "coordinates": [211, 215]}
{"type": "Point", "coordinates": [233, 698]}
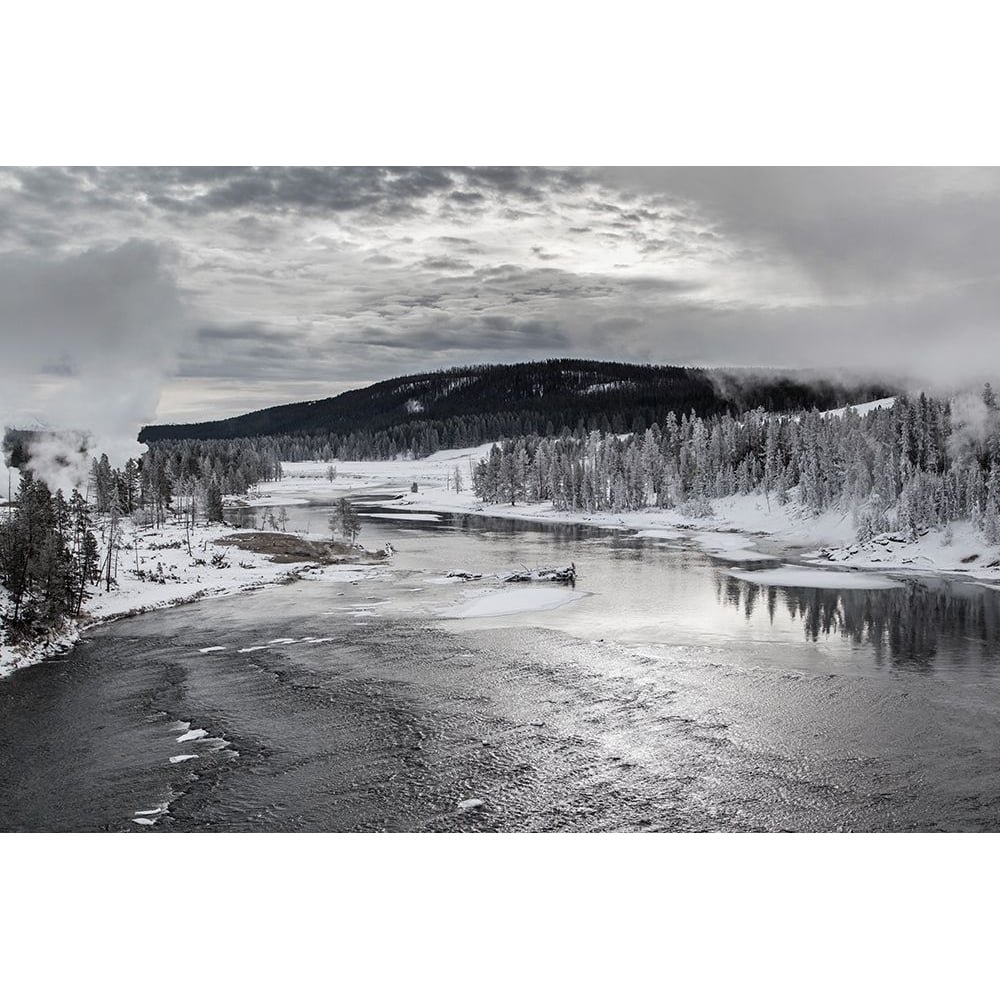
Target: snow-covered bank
{"type": "Point", "coordinates": [156, 570]}
{"type": "Point", "coordinates": [741, 529]}
{"type": "Point", "coordinates": [54, 642]}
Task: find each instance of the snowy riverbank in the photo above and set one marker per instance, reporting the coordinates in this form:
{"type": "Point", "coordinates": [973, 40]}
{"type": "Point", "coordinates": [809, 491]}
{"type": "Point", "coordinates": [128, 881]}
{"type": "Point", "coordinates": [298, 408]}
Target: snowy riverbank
{"type": "Point", "coordinates": [156, 570]}
{"type": "Point", "coordinates": [741, 529]}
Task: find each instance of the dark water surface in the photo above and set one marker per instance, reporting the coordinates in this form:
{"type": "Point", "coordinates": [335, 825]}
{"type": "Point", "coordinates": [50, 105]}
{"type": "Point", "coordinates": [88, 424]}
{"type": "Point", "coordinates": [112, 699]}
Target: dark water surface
{"type": "Point", "coordinates": [671, 696]}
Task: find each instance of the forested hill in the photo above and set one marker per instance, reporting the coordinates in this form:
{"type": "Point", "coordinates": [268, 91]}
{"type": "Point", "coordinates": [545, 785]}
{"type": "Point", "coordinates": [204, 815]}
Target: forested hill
{"type": "Point", "coordinates": [465, 406]}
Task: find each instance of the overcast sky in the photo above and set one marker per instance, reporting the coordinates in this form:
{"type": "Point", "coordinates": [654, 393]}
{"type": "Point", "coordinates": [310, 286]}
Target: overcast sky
{"type": "Point", "coordinates": [193, 293]}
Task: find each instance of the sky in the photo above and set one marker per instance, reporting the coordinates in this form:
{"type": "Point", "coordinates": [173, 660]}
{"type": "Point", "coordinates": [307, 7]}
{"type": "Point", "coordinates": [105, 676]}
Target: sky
{"type": "Point", "coordinates": [188, 293]}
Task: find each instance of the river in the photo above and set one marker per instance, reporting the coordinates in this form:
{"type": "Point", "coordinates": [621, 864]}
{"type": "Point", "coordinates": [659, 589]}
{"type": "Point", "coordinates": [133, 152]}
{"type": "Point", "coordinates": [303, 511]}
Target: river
{"type": "Point", "coordinates": [667, 695]}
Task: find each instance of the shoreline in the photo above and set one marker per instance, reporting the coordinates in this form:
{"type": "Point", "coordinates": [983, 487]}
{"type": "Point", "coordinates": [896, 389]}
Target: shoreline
{"type": "Point", "coordinates": [168, 576]}
{"type": "Point", "coordinates": [742, 528]}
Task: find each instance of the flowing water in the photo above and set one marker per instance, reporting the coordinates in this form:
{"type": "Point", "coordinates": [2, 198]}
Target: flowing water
{"type": "Point", "coordinates": [667, 695]}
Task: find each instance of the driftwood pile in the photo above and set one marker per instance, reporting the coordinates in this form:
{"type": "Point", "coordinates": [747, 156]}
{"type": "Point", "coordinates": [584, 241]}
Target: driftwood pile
{"type": "Point", "coordinates": [563, 574]}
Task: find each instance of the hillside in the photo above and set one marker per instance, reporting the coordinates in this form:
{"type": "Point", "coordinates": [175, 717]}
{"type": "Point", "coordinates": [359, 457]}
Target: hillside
{"type": "Point", "coordinates": [525, 398]}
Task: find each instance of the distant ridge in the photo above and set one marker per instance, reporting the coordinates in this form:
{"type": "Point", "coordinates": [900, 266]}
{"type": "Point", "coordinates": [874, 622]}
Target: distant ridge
{"type": "Point", "coordinates": [530, 397]}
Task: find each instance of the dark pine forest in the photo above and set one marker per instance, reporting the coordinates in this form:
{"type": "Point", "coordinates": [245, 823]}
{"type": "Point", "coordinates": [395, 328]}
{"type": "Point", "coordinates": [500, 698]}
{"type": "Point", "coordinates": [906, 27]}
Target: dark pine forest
{"type": "Point", "coordinates": [419, 414]}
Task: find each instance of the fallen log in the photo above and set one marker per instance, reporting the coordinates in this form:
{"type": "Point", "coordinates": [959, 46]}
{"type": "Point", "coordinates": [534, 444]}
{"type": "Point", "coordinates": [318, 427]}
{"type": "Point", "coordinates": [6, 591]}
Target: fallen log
{"type": "Point", "coordinates": [544, 574]}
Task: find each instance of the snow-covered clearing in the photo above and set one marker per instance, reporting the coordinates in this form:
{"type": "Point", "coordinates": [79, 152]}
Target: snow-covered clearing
{"type": "Point", "coordinates": [862, 408]}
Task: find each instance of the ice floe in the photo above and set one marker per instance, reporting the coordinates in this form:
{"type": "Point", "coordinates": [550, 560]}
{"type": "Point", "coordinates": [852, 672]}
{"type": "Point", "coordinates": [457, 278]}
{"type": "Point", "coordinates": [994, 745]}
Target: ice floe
{"type": "Point", "coordinates": [514, 601]}
{"type": "Point", "coordinates": [825, 579]}
{"type": "Point", "coordinates": [405, 516]}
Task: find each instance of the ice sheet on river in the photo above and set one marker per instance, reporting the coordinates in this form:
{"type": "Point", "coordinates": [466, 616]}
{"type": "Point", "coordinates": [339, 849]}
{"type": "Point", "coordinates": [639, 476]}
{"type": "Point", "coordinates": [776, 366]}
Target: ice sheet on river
{"type": "Point", "coordinates": [404, 516]}
{"type": "Point", "coordinates": [825, 579]}
{"type": "Point", "coordinates": [516, 601]}
{"type": "Point", "coordinates": [730, 546]}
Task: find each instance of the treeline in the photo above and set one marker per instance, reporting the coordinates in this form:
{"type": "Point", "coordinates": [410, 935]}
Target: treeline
{"type": "Point", "coordinates": [48, 556]}
{"type": "Point", "coordinates": [234, 465]}
{"type": "Point", "coordinates": [52, 549]}
{"type": "Point", "coordinates": [920, 463]}
{"type": "Point", "coordinates": [197, 471]}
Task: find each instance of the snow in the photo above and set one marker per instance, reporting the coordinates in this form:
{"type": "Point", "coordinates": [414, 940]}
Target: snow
{"type": "Point", "coordinates": [514, 601]}
{"type": "Point", "coordinates": [467, 804]}
{"type": "Point", "coordinates": [741, 529]}
{"type": "Point", "coordinates": [163, 553]}
{"type": "Point", "coordinates": [821, 579]}
{"type": "Point", "coordinates": [177, 759]}
{"type": "Point", "coordinates": [268, 500]}
{"type": "Point", "coordinates": [606, 386]}
{"type": "Point", "coordinates": [959, 548]}
{"type": "Point", "coordinates": [862, 408]}
{"type": "Point", "coordinates": [193, 734]}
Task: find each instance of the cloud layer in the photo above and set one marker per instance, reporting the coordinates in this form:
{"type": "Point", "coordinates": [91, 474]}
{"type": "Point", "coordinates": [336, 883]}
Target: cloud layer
{"type": "Point", "coordinates": [233, 288]}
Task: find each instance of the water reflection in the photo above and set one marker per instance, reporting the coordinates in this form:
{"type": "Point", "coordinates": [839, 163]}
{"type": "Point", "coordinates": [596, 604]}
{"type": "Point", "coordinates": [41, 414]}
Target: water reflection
{"type": "Point", "coordinates": [242, 517]}
{"type": "Point", "coordinates": [649, 592]}
{"type": "Point", "coordinates": [912, 625]}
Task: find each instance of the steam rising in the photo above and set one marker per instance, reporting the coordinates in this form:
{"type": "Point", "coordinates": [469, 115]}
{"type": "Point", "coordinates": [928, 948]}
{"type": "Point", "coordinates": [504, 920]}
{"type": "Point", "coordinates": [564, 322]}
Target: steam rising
{"type": "Point", "coordinates": [88, 342]}
{"type": "Point", "coordinates": [973, 424]}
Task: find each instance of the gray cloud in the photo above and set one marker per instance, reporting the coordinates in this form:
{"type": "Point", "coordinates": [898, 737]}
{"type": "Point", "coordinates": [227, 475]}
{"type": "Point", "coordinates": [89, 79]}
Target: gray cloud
{"type": "Point", "coordinates": [298, 278]}
{"type": "Point", "coordinates": [242, 332]}
{"type": "Point", "coordinates": [870, 228]}
{"type": "Point", "coordinates": [495, 333]}
{"type": "Point", "coordinates": [444, 263]}
{"type": "Point", "coordinates": [197, 191]}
